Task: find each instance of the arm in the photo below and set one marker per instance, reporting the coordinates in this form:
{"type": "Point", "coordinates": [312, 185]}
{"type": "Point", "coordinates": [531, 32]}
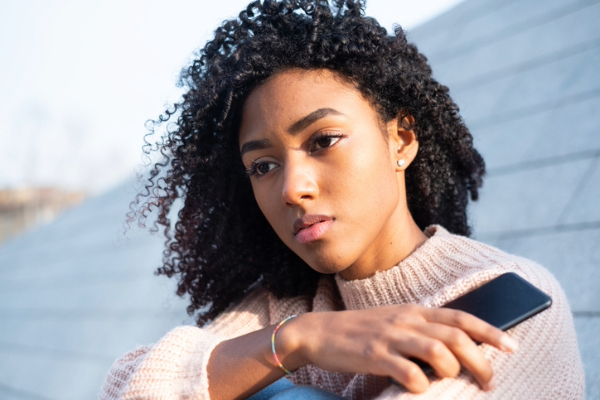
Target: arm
{"type": "Point", "coordinates": [170, 369]}
{"type": "Point", "coordinates": [175, 367]}
{"type": "Point", "coordinates": [197, 362]}
{"type": "Point", "coordinates": [378, 341]}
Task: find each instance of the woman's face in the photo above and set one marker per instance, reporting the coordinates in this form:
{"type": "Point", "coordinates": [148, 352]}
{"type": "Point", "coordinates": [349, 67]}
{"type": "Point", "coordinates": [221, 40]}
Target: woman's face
{"type": "Point", "coordinates": [323, 167]}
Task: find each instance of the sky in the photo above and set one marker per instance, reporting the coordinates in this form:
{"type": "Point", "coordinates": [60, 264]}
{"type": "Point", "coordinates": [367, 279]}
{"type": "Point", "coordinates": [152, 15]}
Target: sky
{"type": "Point", "coordinates": [78, 80]}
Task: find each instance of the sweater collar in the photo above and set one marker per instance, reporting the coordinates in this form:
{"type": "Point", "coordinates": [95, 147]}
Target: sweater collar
{"type": "Point", "coordinates": [429, 268]}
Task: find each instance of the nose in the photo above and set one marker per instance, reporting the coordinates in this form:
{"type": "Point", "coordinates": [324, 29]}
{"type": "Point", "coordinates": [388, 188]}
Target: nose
{"type": "Point", "coordinates": [299, 184]}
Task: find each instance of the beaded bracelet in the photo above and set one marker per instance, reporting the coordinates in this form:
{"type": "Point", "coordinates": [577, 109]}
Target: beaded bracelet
{"type": "Point", "coordinates": [273, 344]}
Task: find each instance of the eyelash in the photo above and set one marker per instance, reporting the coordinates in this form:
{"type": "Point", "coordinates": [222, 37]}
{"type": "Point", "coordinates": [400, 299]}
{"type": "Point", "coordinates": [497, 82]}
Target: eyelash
{"type": "Point", "coordinates": [324, 135]}
{"type": "Point", "coordinates": [252, 170]}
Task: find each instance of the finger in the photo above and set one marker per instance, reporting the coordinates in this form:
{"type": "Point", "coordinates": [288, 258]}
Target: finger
{"type": "Point", "coordinates": [479, 330]}
{"type": "Point", "coordinates": [407, 373]}
{"type": "Point", "coordinates": [465, 351]}
{"type": "Point", "coordinates": [427, 347]}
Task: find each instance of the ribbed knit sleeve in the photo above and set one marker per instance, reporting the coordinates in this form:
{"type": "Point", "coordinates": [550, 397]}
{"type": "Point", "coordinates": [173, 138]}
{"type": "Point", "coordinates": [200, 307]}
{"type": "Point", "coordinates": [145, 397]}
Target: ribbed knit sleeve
{"type": "Point", "coordinates": [176, 366]}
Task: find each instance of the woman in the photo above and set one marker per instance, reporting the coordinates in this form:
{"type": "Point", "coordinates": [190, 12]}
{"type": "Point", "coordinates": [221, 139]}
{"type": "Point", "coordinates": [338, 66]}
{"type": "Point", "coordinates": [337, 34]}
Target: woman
{"type": "Point", "coordinates": [326, 175]}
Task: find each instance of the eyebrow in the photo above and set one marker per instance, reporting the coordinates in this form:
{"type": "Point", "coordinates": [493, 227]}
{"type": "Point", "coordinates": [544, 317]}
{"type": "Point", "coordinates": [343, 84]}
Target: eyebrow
{"type": "Point", "coordinates": [294, 129]}
{"type": "Point", "coordinates": [255, 145]}
{"type": "Point", "coordinates": [311, 119]}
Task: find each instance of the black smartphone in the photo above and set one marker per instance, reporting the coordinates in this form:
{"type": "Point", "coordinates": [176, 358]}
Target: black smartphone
{"type": "Point", "coordinates": [503, 302]}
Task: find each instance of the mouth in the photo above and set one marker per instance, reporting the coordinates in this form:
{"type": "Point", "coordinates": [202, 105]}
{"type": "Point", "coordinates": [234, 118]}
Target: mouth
{"type": "Point", "coordinates": [311, 227]}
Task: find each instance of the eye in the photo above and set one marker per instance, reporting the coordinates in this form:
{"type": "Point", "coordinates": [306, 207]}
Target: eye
{"type": "Point", "coordinates": [324, 141]}
{"type": "Point", "coordinates": [260, 168]}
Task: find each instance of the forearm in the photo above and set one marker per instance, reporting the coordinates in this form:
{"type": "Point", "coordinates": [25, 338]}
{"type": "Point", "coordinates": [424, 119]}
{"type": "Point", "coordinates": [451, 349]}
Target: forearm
{"type": "Point", "coordinates": [176, 366]}
{"type": "Point", "coordinates": [242, 366]}
{"type": "Point", "coordinates": [377, 341]}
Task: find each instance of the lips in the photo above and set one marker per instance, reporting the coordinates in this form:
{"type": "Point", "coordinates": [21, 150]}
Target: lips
{"type": "Point", "coordinates": [311, 227]}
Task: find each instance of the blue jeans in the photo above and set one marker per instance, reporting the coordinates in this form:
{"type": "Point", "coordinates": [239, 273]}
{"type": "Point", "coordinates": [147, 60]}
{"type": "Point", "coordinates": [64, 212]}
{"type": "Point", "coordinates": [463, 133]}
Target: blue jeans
{"type": "Point", "coordinates": [286, 390]}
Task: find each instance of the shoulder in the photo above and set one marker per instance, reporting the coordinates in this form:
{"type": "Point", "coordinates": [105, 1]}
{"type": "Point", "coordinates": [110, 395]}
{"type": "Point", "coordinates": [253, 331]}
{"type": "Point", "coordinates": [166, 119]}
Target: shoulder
{"type": "Point", "coordinates": [547, 363]}
{"type": "Point", "coordinates": [474, 263]}
{"type": "Point", "coordinates": [551, 331]}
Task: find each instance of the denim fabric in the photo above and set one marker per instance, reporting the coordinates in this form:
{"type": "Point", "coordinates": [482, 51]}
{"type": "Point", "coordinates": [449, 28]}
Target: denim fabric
{"type": "Point", "coordinates": [271, 390]}
{"type": "Point", "coordinates": [305, 392]}
{"type": "Point", "coordinates": [285, 390]}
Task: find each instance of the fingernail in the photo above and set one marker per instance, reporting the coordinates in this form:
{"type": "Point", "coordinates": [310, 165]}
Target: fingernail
{"type": "Point", "coordinates": [491, 385]}
{"type": "Point", "coordinates": [508, 343]}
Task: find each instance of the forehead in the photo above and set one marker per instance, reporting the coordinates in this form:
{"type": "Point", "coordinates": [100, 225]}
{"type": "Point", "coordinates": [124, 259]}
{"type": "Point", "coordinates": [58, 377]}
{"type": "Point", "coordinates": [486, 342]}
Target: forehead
{"type": "Point", "coordinates": [291, 95]}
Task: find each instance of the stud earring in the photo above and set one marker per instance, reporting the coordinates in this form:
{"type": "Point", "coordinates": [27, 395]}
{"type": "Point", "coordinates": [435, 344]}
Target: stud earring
{"type": "Point", "coordinates": [401, 163]}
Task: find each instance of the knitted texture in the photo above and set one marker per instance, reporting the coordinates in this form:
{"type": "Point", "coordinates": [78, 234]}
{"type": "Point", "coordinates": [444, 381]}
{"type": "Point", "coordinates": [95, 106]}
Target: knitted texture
{"type": "Point", "coordinates": [546, 365]}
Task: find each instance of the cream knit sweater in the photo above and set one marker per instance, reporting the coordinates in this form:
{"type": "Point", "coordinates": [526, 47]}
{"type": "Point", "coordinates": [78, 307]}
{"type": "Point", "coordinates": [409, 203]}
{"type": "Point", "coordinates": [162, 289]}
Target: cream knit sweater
{"type": "Point", "coordinates": [546, 366]}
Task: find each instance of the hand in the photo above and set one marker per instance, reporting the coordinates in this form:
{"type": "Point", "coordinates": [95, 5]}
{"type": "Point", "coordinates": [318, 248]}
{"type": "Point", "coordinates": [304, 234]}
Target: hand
{"type": "Point", "coordinates": [380, 341]}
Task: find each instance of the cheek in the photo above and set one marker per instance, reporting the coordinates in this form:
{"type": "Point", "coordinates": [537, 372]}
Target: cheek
{"type": "Point", "coordinates": [369, 179]}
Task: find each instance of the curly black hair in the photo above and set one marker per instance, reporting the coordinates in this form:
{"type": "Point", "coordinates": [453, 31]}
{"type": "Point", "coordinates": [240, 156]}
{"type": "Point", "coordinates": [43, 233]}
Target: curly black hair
{"type": "Point", "coordinates": [221, 245]}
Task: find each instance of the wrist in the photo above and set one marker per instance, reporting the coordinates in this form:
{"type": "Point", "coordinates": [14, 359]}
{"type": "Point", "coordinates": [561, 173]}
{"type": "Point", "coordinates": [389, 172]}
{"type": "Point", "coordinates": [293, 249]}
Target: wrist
{"type": "Point", "coordinates": [290, 343]}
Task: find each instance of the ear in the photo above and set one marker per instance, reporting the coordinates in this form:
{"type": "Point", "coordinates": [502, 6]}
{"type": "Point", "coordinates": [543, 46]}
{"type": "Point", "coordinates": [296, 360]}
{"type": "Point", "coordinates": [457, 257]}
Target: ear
{"type": "Point", "coordinates": [403, 140]}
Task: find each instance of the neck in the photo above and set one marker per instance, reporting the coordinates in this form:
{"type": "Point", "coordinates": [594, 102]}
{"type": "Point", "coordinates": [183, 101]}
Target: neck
{"type": "Point", "coordinates": [398, 240]}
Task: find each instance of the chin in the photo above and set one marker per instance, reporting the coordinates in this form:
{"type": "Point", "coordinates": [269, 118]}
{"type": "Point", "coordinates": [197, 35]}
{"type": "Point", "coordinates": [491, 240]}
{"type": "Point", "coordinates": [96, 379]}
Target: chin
{"type": "Point", "coordinates": [324, 258]}
{"type": "Point", "coordinates": [327, 266]}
